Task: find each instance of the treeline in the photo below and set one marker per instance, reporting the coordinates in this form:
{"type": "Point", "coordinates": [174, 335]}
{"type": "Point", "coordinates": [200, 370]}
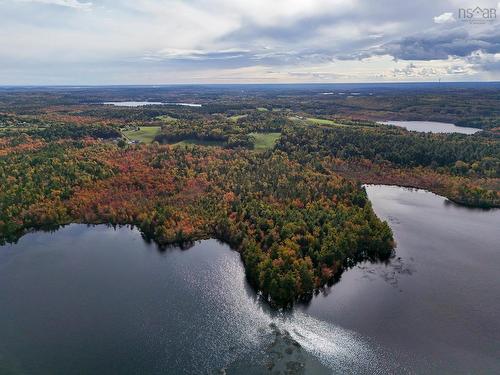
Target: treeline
{"type": "Point", "coordinates": [457, 153]}
{"type": "Point", "coordinates": [51, 131]}
{"type": "Point", "coordinates": [73, 131]}
{"type": "Point", "coordinates": [466, 169]}
{"type": "Point", "coordinates": [34, 184]}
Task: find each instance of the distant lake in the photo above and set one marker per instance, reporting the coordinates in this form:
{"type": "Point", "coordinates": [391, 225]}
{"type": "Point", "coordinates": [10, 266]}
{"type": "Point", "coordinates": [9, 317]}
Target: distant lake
{"type": "Point", "coordinates": [94, 299]}
{"type": "Point", "coordinates": [140, 104]}
{"type": "Point", "coordinates": [431, 126]}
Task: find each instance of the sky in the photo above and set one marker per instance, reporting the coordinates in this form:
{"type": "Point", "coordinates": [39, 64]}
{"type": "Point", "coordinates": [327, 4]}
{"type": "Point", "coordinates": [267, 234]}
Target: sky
{"type": "Point", "coordinates": [80, 42]}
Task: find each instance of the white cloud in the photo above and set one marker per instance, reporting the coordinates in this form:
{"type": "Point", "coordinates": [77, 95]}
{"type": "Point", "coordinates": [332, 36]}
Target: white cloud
{"type": "Point", "coordinates": [162, 41]}
{"type": "Point", "coordinates": [64, 3]}
{"type": "Point", "coordinates": [445, 18]}
{"type": "Point", "coordinates": [433, 69]}
{"type": "Point", "coordinates": [273, 12]}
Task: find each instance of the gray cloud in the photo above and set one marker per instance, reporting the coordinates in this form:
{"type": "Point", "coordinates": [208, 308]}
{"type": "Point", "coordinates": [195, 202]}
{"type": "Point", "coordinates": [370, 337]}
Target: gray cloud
{"type": "Point", "coordinates": [197, 40]}
{"type": "Point", "coordinates": [485, 62]}
{"type": "Point", "coordinates": [440, 44]}
{"type": "Point", "coordinates": [435, 44]}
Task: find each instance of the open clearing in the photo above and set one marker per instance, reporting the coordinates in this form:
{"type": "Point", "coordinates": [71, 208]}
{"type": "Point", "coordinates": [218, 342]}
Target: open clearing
{"type": "Point", "coordinates": [235, 118]}
{"type": "Point", "coordinates": [166, 118]}
{"type": "Point", "coordinates": [315, 121]}
{"type": "Point", "coordinates": [321, 121]}
{"type": "Point", "coordinates": [145, 134]}
{"type": "Point", "coordinates": [265, 141]}
{"type": "Point", "coordinates": [198, 142]}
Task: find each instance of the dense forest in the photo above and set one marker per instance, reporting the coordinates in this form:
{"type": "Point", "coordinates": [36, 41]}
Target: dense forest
{"type": "Point", "coordinates": [464, 168]}
{"type": "Point", "coordinates": [398, 146]}
{"type": "Point", "coordinates": [282, 185]}
{"type": "Point", "coordinates": [295, 227]}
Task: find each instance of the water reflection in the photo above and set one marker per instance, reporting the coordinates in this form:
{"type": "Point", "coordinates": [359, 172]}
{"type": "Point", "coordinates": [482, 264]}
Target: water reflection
{"type": "Point", "coordinates": [97, 299]}
{"type": "Point", "coordinates": [432, 306]}
{"type": "Point", "coordinates": [125, 305]}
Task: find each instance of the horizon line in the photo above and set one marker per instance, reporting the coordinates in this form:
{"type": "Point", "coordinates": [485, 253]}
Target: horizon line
{"type": "Point", "coordinates": [246, 84]}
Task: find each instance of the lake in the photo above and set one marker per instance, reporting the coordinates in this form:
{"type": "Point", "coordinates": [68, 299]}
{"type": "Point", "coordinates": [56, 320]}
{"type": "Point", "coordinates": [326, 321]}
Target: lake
{"type": "Point", "coordinates": [94, 299]}
{"type": "Point", "coordinates": [432, 126]}
{"type": "Point", "coordinates": [140, 104]}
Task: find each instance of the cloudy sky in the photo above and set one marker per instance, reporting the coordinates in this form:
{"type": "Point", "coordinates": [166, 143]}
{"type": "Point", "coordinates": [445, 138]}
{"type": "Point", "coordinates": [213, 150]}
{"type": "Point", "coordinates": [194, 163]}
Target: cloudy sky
{"type": "Point", "coordinates": [258, 41]}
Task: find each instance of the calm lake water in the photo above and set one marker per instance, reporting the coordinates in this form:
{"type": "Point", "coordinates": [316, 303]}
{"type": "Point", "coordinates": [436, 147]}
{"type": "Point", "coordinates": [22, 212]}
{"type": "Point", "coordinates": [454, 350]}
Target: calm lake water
{"type": "Point", "coordinates": [140, 104]}
{"type": "Point", "coordinates": [433, 127]}
{"type": "Point", "coordinates": [85, 300]}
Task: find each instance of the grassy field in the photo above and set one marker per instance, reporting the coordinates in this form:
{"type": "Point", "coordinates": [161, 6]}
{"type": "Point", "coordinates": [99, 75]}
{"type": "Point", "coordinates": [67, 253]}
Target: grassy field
{"type": "Point", "coordinates": [265, 141]}
{"type": "Point", "coordinates": [320, 121]}
{"type": "Point", "coordinates": [315, 121]}
{"type": "Point", "coordinates": [236, 117]}
{"type": "Point", "coordinates": [262, 109]}
{"type": "Point", "coordinates": [166, 118]}
{"type": "Point", "coordinates": [190, 142]}
{"type": "Point", "coordinates": [145, 134]}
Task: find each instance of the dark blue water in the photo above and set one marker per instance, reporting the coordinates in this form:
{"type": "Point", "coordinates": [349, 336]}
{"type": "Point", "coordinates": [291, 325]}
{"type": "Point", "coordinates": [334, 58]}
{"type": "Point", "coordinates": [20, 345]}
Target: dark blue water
{"type": "Point", "coordinates": [86, 300]}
